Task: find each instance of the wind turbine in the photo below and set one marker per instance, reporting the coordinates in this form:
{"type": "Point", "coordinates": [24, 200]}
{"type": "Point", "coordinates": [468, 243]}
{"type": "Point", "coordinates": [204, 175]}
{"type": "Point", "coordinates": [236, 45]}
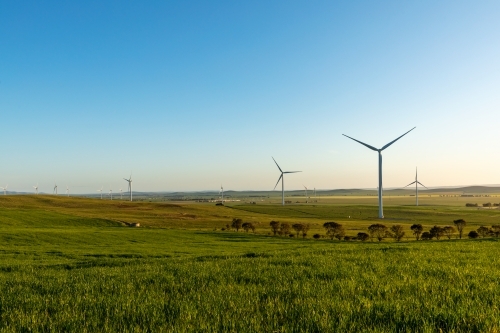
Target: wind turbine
{"type": "Point", "coordinates": [416, 182]}
{"type": "Point", "coordinates": [282, 178]}
{"type": "Point", "coordinates": [55, 189]}
{"type": "Point", "coordinates": [100, 191]}
{"type": "Point", "coordinates": [111, 194]}
{"type": "Point", "coordinates": [121, 194]}
{"type": "Point", "coordinates": [380, 203]}
{"type": "Point", "coordinates": [306, 191]}
{"type": "Point", "coordinates": [36, 188]}
{"type": "Point", "coordinates": [129, 186]}
{"type": "Point", "coordinates": [315, 199]}
{"type": "Point", "coordinates": [222, 191]}
{"type": "Point", "coordinates": [5, 189]}
{"type": "Point", "coordinates": [67, 190]}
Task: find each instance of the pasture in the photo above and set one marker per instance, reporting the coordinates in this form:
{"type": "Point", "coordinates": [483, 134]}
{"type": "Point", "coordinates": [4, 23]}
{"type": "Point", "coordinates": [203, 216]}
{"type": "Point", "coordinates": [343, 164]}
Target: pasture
{"type": "Point", "coordinates": [73, 264]}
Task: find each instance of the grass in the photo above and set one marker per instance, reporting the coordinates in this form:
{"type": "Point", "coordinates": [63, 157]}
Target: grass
{"type": "Point", "coordinates": [72, 265]}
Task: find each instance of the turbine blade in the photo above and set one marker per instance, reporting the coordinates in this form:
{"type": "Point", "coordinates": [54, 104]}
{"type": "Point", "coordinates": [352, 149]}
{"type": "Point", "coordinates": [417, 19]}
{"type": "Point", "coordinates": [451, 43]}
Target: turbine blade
{"type": "Point", "coordinates": [364, 144]}
{"type": "Point", "coordinates": [422, 185]}
{"type": "Point", "coordinates": [390, 143]}
{"type": "Point", "coordinates": [277, 164]}
{"type": "Point", "coordinates": [410, 184]}
{"type": "Point", "coordinates": [291, 171]}
{"type": "Point", "coordinates": [277, 182]}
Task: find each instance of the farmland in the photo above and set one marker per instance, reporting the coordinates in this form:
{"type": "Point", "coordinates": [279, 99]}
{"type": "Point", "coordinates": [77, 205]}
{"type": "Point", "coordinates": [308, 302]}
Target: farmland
{"type": "Point", "coordinates": [73, 264]}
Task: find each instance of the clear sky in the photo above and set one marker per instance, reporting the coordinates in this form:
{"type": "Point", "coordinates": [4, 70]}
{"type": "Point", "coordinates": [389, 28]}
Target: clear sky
{"type": "Point", "coordinates": [187, 95]}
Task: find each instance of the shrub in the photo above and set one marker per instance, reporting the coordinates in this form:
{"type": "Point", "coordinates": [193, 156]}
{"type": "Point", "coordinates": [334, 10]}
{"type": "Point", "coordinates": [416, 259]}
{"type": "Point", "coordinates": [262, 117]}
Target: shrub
{"type": "Point", "coordinates": [488, 204]}
{"type": "Point", "coordinates": [426, 236]}
{"type": "Point", "coordinates": [284, 229]}
{"type": "Point", "coordinates": [347, 238]}
{"type": "Point", "coordinates": [275, 227]}
{"type": "Point", "coordinates": [248, 226]}
{"type": "Point", "coordinates": [363, 236]}
{"type": "Point", "coordinates": [417, 230]}
{"type": "Point", "coordinates": [334, 230]}
{"type": "Point", "coordinates": [495, 229]}
{"type": "Point", "coordinates": [449, 231]}
{"type": "Point", "coordinates": [471, 205]}
{"type": "Point", "coordinates": [483, 231]}
{"type": "Point", "coordinates": [397, 232]}
{"type": "Point", "coordinates": [291, 235]}
{"type": "Point", "coordinates": [305, 229]}
{"type": "Point", "coordinates": [460, 224]}
{"type": "Point", "coordinates": [298, 228]}
{"type": "Point", "coordinates": [316, 236]}
{"type": "Point", "coordinates": [473, 234]}
{"type": "Point", "coordinates": [436, 232]}
{"type": "Point", "coordinates": [378, 231]}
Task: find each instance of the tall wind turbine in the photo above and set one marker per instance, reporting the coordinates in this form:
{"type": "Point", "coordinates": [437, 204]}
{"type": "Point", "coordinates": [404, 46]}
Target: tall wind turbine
{"type": "Point", "coordinates": [36, 188]}
{"type": "Point", "coordinates": [67, 190]}
{"type": "Point", "coordinates": [5, 189]}
{"type": "Point", "coordinates": [416, 182]}
{"type": "Point", "coordinates": [100, 191]}
{"type": "Point", "coordinates": [121, 194]}
{"type": "Point", "coordinates": [129, 186]}
{"type": "Point", "coordinates": [306, 191]}
{"type": "Point", "coordinates": [282, 178]}
{"type": "Point", "coordinates": [380, 203]}
{"type": "Point", "coordinates": [55, 189]}
{"type": "Point", "coordinates": [111, 194]}
{"type": "Point", "coordinates": [222, 191]}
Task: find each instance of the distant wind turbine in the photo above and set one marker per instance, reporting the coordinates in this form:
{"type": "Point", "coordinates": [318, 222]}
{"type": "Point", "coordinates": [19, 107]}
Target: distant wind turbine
{"type": "Point", "coordinates": [36, 188]}
{"type": "Point", "coordinates": [416, 182]}
{"type": "Point", "coordinates": [67, 190]}
{"type": "Point", "coordinates": [111, 194]}
{"type": "Point", "coordinates": [55, 189]}
{"type": "Point", "coordinates": [121, 194]}
{"type": "Point", "coordinates": [5, 189]}
{"type": "Point", "coordinates": [222, 191]}
{"type": "Point", "coordinates": [380, 203]}
{"type": "Point", "coordinates": [282, 178]}
{"type": "Point", "coordinates": [100, 191]}
{"type": "Point", "coordinates": [129, 185]}
{"type": "Point", "coordinates": [306, 191]}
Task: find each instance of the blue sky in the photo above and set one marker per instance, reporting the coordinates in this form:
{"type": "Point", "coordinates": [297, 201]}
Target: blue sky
{"type": "Point", "coordinates": [187, 95]}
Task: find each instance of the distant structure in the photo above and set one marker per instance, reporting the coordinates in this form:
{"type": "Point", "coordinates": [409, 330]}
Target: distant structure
{"type": "Point", "coordinates": [222, 193]}
{"type": "Point", "coordinates": [380, 188]}
{"type": "Point", "coordinates": [36, 189]}
{"type": "Point", "coordinates": [121, 194]}
{"type": "Point", "coordinates": [4, 189]}
{"type": "Point", "coordinates": [129, 186]}
{"type": "Point", "coordinates": [305, 188]}
{"type": "Point", "coordinates": [55, 189]}
{"type": "Point", "coordinates": [416, 182]}
{"type": "Point", "coordinates": [282, 178]}
{"type": "Point", "coordinates": [111, 194]}
{"type": "Point", "coordinates": [100, 191]}
{"type": "Point", "coordinates": [67, 190]}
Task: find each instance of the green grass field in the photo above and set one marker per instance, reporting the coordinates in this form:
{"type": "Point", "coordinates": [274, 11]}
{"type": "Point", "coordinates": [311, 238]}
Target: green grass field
{"type": "Point", "coordinates": [72, 264]}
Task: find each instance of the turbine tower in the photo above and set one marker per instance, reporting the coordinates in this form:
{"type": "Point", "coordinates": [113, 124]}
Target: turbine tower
{"type": "Point", "coordinates": [222, 191]}
{"type": "Point", "coordinates": [55, 189]}
{"type": "Point", "coordinates": [380, 203]}
{"type": "Point", "coordinates": [111, 194]}
{"type": "Point", "coordinates": [36, 189]}
{"type": "Point", "coordinates": [129, 186]}
{"type": "Point", "coordinates": [121, 194]}
{"type": "Point", "coordinates": [5, 189]}
{"type": "Point", "coordinates": [100, 191]}
{"type": "Point", "coordinates": [67, 190]}
{"type": "Point", "coordinates": [306, 191]}
{"type": "Point", "coordinates": [282, 178]}
{"type": "Point", "coordinates": [416, 182]}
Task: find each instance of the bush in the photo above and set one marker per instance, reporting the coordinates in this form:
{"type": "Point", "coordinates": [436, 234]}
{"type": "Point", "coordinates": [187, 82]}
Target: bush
{"type": "Point", "coordinates": [347, 238]}
{"type": "Point", "coordinates": [378, 231]}
{"type": "Point", "coordinates": [316, 236]}
{"type": "Point", "coordinates": [248, 226]}
{"type": "Point", "coordinates": [298, 228]}
{"type": "Point", "coordinates": [495, 229]}
{"type": "Point", "coordinates": [488, 204]}
{"type": "Point", "coordinates": [285, 229]}
{"type": "Point", "coordinates": [483, 231]}
{"type": "Point", "coordinates": [334, 230]}
{"type": "Point", "coordinates": [436, 232]}
{"type": "Point", "coordinates": [473, 234]}
{"type": "Point", "coordinates": [449, 231]}
{"type": "Point", "coordinates": [426, 236]}
{"type": "Point", "coordinates": [471, 205]}
{"type": "Point", "coordinates": [417, 230]}
{"type": "Point", "coordinates": [363, 236]}
{"type": "Point", "coordinates": [460, 224]}
{"type": "Point", "coordinates": [275, 226]}
{"type": "Point", "coordinates": [305, 229]}
{"type": "Point", "coordinates": [237, 224]}
{"type": "Point", "coordinates": [397, 232]}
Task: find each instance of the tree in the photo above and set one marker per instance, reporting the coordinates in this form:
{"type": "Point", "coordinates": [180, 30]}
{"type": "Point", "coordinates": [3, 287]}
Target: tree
{"type": "Point", "coordinates": [248, 226]}
{"type": "Point", "coordinates": [316, 236]}
{"type": "Point", "coordinates": [305, 229]}
{"type": "Point", "coordinates": [460, 224]}
{"type": "Point", "coordinates": [436, 232]}
{"type": "Point", "coordinates": [275, 227]}
{"type": "Point", "coordinates": [298, 228]}
{"type": "Point", "coordinates": [495, 229]}
{"type": "Point", "coordinates": [397, 232]}
{"type": "Point", "coordinates": [473, 234]}
{"type": "Point", "coordinates": [284, 229]}
{"type": "Point", "coordinates": [378, 231]}
{"type": "Point", "coordinates": [237, 224]}
{"type": "Point", "coordinates": [334, 230]}
{"type": "Point", "coordinates": [483, 231]}
{"type": "Point", "coordinates": [363, 236]}
{"type": "Point", "coordinates": [417, 230]}
{"type": "Point", "coordinates": [426, 236]}
{"type": "Point", "coordinates": [449, 231]}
